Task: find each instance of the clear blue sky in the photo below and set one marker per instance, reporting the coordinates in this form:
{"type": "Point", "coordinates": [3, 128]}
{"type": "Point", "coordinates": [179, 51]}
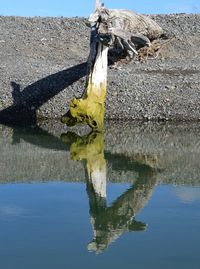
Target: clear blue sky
{"type": "Point", "coordinates": [72, 8]}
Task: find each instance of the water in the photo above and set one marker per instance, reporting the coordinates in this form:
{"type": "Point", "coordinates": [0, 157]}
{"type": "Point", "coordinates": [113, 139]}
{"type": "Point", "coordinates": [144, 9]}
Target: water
{"type": "Point", "coordinates": [127, 199]}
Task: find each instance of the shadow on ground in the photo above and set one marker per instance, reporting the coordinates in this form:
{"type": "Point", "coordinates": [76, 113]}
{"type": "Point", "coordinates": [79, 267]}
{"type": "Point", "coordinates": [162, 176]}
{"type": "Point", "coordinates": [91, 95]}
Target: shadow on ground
{"type": "Point", "coordinates": [27, 101]}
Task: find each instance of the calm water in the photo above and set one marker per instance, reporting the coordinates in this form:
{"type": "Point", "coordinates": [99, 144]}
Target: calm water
{"type": "Point", "coordinates": [127, 199]}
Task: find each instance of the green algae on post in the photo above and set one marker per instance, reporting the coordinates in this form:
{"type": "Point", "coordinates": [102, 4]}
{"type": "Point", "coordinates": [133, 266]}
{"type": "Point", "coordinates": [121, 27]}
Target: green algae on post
{"type": "Point", "coordinates": [90, 108]}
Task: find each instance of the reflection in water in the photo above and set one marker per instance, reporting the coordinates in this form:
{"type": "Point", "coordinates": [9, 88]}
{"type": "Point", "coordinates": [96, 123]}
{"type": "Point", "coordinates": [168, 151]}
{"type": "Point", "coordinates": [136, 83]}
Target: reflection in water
{"type": "Point", "coordinates": [91, 149]}
{"type": "Point", "coordinates": [188, 195]}
{"type": "Point", "coordinates": [40, 222]}
{"type": "Point", "coordinates": [35, 154]}
{"type": "Point", "coordinates": [109, 223]}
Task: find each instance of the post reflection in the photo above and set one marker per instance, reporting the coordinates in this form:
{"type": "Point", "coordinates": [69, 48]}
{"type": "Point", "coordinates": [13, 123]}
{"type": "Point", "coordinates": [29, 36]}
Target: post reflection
{"type": "Point", "coordinates": [110, 222]}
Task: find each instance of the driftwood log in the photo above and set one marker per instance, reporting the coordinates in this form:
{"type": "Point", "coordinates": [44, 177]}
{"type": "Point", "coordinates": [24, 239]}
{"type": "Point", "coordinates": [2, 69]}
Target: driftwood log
{"type": "Point", "coordinates": [90, 108]}
{"type": "Point", "coordinates": [119, 29]}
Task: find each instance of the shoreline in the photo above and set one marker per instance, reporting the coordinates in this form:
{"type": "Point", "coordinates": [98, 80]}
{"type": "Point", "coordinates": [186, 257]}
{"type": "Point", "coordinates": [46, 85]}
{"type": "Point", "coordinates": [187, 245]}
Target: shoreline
{"type": "Point", "coordinates": [43, 64]}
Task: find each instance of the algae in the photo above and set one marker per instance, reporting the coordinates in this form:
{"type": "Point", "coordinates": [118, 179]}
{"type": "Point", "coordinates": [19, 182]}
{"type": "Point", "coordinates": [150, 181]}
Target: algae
{"type": "Point", "coordinates": [90, 108]}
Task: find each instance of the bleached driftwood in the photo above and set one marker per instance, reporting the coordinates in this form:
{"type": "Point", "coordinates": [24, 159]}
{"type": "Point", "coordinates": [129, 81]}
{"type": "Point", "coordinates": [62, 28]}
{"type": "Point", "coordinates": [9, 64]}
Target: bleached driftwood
{"type": "Point", "coordinates": [109, 27]}
{"type": "Point", "coordinates": [90, 108]}
{"type": "Point", "coordinates": [129, 30]}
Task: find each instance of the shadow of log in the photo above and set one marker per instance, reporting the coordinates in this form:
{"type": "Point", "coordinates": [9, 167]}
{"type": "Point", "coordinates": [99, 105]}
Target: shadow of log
{"type": "Point", "coordinates": [27, 101]}
{"type": "Point", "coordinates": [38, 137]}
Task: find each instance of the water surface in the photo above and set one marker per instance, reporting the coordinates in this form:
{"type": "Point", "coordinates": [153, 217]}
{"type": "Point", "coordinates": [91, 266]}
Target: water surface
{"type": "Point", "coordinates": [127, 199]}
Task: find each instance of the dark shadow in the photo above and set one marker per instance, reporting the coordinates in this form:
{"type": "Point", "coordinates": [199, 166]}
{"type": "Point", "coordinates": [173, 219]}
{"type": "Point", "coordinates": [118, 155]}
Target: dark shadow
{"type": "Point", "coordinates": [16, 93]}
{"type": "Point", "coordinates": [38, 137]}
{"type": "Point", "coordinates": [27, 101]}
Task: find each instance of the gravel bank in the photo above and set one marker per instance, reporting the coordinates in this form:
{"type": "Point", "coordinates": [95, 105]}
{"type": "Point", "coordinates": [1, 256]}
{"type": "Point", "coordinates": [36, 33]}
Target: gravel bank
{"type": "Point", "coordinates": [42, 64]}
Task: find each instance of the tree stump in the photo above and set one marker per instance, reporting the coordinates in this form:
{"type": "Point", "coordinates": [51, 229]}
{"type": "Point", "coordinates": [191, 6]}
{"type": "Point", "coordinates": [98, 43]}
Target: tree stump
{"type": "Point", "coordinates": [119, 28]}
{"type": "Point", "coordinates": [90, 108]}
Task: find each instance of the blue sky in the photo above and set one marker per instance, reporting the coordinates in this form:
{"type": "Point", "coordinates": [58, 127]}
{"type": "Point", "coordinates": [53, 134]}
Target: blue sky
{"type": "Point", "coordinates": [72, 8]}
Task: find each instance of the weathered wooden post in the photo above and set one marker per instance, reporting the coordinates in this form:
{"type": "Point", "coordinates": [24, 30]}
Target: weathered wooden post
{"type": "Point", "coordinates": [123, 29]}
{"type": "Point", "coordinates": [90, 108]}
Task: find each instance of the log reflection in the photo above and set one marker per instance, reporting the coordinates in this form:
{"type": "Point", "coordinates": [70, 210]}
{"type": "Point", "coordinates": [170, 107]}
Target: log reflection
{"type": "Point", "coordinates": [110, 222]}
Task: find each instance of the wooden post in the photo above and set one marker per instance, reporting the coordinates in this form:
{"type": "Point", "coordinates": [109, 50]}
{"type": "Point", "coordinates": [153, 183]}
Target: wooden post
{"type": "Point", "coordinates": [122, 28]}
{"type": "Point", "coordinates": [90, 108]}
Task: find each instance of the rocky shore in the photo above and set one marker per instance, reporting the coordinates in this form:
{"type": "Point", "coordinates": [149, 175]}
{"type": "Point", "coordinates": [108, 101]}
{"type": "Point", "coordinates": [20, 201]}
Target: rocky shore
{"type": "Point", "coordinates": [43, 66]}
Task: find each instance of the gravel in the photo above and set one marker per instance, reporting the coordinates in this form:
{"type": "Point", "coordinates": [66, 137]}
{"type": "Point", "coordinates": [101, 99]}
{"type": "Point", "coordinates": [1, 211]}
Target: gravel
{"type": "Point", "coordinates": [42, 64]}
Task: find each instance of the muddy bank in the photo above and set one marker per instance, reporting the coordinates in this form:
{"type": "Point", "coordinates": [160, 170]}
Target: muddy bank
{"type": "Point", "coordinates": [42, 64]}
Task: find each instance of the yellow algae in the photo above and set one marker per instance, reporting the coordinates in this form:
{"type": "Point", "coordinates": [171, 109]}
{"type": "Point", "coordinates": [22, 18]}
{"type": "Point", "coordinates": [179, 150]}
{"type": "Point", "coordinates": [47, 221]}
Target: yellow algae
{"type": "Point", "coordinates": [91, 149]}
{"type": "Point", "coordinates": [90, 108]}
